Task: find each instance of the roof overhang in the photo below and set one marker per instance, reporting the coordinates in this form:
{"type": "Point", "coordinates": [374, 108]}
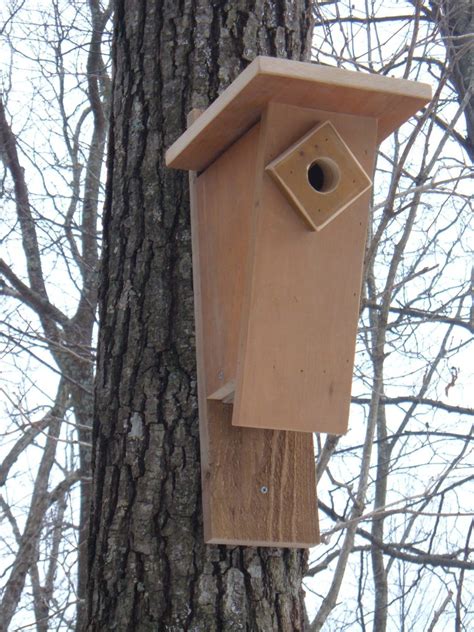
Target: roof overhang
{"type": "Point", "coordinates": [391, 101]}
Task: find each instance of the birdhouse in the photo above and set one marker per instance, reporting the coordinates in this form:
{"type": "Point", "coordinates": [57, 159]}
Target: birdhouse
{"type": "Point", "coordinates": [281, 166]}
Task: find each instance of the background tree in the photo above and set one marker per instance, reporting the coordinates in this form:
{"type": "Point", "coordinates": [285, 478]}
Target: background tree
{"type": "Point", "coordinates": [52, 156]}
{"type": "Point", "coordinates": [395, 490]}
{"type": "Point", "coordinates": [395, 500]}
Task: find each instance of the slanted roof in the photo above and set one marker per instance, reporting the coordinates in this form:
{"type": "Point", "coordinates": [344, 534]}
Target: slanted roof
{"type": "Point", "coordinates": [391, 101]}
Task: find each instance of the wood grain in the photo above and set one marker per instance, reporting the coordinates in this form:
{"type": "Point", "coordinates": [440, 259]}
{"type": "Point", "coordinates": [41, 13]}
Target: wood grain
{"type": "Point", "coordinates": [343, 178]}
{"type": "Point", "coordinates": [301, 303]}
{"type": "Point", "coordinates": [390, 101]}
{"type": "Point", "coordinates": [238, 463]}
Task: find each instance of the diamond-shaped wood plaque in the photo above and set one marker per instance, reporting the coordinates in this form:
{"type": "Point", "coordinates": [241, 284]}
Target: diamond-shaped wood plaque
{"type": "Point", "coordinates": [320, 175]}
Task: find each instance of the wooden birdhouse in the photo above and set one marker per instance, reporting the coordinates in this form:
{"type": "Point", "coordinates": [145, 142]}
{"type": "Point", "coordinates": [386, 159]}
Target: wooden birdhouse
{"type": "Point", "coordinates": [280, 186]}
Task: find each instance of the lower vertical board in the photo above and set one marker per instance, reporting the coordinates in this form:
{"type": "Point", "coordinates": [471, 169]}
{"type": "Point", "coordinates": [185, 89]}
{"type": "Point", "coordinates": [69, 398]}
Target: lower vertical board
{"type": "Point", "coordinates": [259, 486]}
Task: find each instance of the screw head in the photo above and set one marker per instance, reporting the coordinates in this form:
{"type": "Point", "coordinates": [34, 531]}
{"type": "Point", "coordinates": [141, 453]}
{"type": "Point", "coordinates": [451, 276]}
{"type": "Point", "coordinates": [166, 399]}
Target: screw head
{"type": "Point", "coordinates": [264, 489]}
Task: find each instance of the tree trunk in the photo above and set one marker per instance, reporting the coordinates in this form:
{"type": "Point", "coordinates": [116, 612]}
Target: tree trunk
{"type": "Point", "coordinates": [455, 19]}
{"type": "Point", "coordinates": [149, 568]}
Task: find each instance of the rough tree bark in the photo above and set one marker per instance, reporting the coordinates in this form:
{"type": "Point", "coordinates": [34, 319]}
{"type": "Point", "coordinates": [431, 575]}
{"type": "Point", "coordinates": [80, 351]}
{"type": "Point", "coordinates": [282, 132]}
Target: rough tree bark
{"type": "Point", "coordinates": [455, 19]}
{"type": "Point", "coordinates": [149, 568]}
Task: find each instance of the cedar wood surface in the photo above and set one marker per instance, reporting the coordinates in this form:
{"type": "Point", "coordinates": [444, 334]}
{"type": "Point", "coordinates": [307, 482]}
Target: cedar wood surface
{"type": "Point", "coordinates": [237, 463]}
{"type": "Point", "coordinates": [290, 172]}
{"type": "Point", "coordinates": [253, 258]}
{"type": "Point", "coordinates": [390, 101]}
{"type": "Point", "coordinates": [302, 294]}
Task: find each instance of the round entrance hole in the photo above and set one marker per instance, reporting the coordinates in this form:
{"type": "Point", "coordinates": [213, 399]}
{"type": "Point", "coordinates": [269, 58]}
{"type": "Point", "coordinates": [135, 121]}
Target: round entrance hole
{"type": "Point", "coordinates": [323, 175]}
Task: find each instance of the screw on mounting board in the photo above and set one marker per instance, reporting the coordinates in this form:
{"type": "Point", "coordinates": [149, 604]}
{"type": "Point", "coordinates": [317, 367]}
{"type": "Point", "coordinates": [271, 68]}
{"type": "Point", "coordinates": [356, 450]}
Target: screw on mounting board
{"type": "Point", "coordinates": [264, 489]}
{"type": "Point", "coordinates": [220, 375]}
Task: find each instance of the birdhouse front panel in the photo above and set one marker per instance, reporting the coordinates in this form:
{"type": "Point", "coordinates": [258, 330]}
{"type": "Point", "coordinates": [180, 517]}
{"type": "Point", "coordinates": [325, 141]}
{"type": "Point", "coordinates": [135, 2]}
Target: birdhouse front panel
{"type": "Point", "coordinates": [299, 322]}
